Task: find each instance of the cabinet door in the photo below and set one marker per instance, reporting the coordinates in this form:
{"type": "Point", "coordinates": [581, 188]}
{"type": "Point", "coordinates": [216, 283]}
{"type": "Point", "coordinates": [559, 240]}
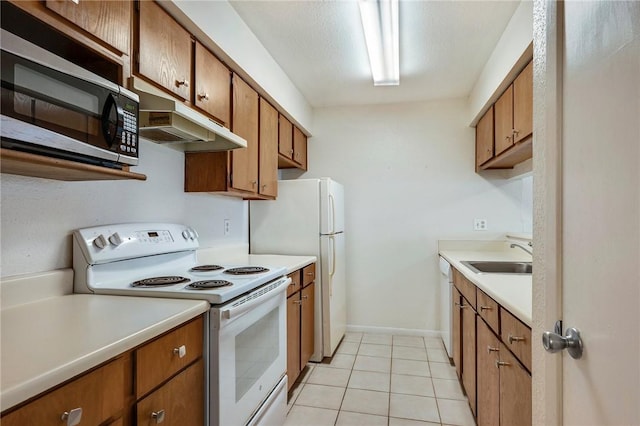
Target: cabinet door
{"type": "Point", "coordinates": [100, 395]}
{"type": "Point", "coordinates": [456, 308]}
{"type": "Point", "coordinates": [165, 50]}
{"type": "Point", "coordinates": [503, 109]}
{"type": "Point", "coordinates": [469, 354]}
{"type": "Point", "coordinates": [299, 147]}
{"type": "Point", "coordinates": [293, 338]}
{"type": "Point", "coordinates": [523, 104]}
{"type": "Point", "coordinates": [268, 167]}
{"type": "Point", "coordinates": [110, 21]}
{"type": "Point", "coordinates": [244, 164]}
{"type": "Point", "coordinates": [285, 137]}
{"type": "Point", "coordinates": [177, 403]}
{"type": "Point", "coordinates": [213, 86]}
{"type": "Point", "coordinates": [484, 138]}
{"type": "Point", "coordinates": [515, 391]}
{"type": "Point", "coordinates": [307, 324]}
{"type": "Point", "coordinates": [488, 379]}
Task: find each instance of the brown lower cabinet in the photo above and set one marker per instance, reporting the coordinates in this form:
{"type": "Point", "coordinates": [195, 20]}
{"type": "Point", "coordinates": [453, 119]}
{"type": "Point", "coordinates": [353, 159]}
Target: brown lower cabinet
{"type": "Point", "coordinates": [173, 393]}
{"type": "Point", "coordinates": [491, 353]}
{"type": "Point", "coordinates": [300, 321]}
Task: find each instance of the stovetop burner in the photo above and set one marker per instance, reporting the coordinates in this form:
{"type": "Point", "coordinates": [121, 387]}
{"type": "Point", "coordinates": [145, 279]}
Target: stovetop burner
{"type": "Point", "coordinates": [246, 270]}
{"type": "Point", "coordinates": [208, 284]}
{"type": "Point", "coordinates": [206, 268]}
{"type": "Point", "coordinates": [159, 281]}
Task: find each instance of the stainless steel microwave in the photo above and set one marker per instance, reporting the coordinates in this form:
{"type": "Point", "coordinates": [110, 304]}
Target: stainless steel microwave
{"type": "Point", "coordinates": [53, 107]}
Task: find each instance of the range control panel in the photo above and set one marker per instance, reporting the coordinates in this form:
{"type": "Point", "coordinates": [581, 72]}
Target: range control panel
{"type": "Point", "coordinates": [110, 243]}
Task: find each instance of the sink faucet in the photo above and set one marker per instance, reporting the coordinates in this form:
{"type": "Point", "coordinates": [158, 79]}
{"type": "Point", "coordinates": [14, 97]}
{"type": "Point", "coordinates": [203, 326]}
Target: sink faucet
{"type": "Point", "coordinates": [520, 246]}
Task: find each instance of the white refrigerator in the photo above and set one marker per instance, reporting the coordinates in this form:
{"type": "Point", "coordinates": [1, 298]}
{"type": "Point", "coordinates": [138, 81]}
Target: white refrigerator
{"type": "Point", "coordinates": [307, 218]}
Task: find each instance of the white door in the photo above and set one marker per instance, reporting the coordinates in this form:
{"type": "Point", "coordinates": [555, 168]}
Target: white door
{"type": "Point", "coordinates": [334, 291]}
{"type": "Point", "coordinates": [587, 218]}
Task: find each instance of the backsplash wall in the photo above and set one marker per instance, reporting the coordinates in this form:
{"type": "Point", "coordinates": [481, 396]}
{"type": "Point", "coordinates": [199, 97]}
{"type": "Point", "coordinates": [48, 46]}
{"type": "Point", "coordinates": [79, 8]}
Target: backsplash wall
{"type": "Point", "coordinates": [38, 215]}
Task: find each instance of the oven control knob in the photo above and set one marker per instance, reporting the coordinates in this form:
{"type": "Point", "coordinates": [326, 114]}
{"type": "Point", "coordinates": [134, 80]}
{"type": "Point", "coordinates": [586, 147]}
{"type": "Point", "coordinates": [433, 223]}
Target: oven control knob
{"type": "Point", "coordinates": [115, 239]}
{"type": "Point", "coordinates": [185, 234]}
{"type": "Point", "coordinates": [194, 233]}
{"type": "Point", "coordinates": [100, 241]}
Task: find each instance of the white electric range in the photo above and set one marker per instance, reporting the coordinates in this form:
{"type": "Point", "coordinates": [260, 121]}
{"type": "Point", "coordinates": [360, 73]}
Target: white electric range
{"type": "Point", "coordinates": [246, 333]}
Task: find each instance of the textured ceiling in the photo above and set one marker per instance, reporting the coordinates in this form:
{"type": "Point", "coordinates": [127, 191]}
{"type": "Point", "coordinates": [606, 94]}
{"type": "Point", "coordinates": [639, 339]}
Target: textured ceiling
{"type": "Point", "coordinates": [320, 46]}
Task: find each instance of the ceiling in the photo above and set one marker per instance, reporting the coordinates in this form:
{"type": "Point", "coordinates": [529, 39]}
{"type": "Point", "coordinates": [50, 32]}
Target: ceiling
{"type": "Point", "coordinates": [319, 44]}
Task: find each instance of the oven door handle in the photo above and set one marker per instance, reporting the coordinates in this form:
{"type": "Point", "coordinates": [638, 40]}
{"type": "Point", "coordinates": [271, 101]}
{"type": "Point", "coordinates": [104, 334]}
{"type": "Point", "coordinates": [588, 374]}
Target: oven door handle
{"type": "Point", "coordinates": [241, 307]}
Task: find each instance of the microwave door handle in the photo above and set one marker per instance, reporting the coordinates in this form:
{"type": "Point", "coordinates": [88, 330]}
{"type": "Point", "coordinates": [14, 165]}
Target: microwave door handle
{"type": "Point", "coordinates": [112, 126]}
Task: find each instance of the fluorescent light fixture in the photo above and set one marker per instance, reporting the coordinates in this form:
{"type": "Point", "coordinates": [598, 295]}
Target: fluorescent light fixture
{"type": "Point", "coordinates": [380, 24]}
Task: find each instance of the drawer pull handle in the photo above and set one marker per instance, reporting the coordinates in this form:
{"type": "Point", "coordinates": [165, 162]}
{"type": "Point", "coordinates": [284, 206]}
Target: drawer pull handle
{"type": "Point", "coordinates": [72, 417]}
{"type": "Point", "coordinates": [158, 416]}
{"type": "Point", "coordinates": [305, 297]}
{"type": "Point", "coordinates": [309, 273]}
{"type": "Point", "coordinates": [486, 308]}
{"type": "Point", "coordinates": [515, 339]}
{"type": "Point", "coordinates": [460, 306]}
{"type": "Point", "coordinates": [490, 349]}
{"type": "Point", "coordinates": [297, 302]}
{"type": "Point", "coordinates": [501, 364]}
{"type": "Point", "coordinates": [181, 351]}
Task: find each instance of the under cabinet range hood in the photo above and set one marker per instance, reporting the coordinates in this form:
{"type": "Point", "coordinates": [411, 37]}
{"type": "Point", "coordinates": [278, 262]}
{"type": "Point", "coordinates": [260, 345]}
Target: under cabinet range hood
{"type": "Point", "coordinates": [167, 121]}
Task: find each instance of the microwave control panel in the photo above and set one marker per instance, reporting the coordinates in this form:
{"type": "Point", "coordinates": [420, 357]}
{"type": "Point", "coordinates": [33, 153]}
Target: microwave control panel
{"type": "Point", "coordinates": [129, 139]}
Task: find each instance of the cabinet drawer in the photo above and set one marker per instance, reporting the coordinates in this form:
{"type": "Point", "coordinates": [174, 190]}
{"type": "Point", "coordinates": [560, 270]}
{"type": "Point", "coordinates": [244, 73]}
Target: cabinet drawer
{"type": "Point", "coordinates": [466, 287]}
{"type": "Point", "coordinates": [179, 402]}
{"type": "Point", "coordinates": [100, 395]}
{"type": "Point", "coordinates": [516, 336]}
{"type": "Point", "coordinates": [488, 310]}
{"type": "Point", "coordinates": [308, 274]}
{"type": "Point", "coordinates": [158, 360]}
{"type": "Point", "coordinates": [295, 283]}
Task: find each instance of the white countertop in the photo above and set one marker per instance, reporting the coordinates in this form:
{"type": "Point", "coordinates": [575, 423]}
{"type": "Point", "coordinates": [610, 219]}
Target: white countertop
{"type": "Point", "coordinates": [292, 263]}
{"type": "Point", "coordinates": [50, 340]}
{"type": "Point", "coordinates": [512, 291]}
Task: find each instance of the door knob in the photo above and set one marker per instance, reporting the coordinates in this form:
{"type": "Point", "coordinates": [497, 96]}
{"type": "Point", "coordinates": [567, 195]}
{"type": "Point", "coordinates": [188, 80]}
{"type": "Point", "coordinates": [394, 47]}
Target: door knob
{"type": "Point", "coordinates": [572, 342]}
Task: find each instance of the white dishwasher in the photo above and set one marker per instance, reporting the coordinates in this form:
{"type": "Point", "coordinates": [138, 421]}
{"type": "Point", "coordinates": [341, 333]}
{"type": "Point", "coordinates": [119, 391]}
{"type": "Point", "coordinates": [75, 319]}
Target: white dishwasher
{"type": "Point", "coordinates": [446, 283]}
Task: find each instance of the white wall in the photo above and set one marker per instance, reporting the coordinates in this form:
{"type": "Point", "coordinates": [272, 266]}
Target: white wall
{"type": "Point", "coordinates": [505, 61]}
{"type": "Point", "coordinates": [408, 171]}
{"type": "Point", "coordinates": [38, 215]}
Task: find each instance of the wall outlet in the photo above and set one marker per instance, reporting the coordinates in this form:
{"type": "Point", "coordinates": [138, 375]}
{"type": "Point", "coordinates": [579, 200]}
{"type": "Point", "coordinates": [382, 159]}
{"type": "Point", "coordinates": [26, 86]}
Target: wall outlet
{"type": "Point", "coordinates": [479, 224]}
{"type": "Point", "coordinates": [227, 227]}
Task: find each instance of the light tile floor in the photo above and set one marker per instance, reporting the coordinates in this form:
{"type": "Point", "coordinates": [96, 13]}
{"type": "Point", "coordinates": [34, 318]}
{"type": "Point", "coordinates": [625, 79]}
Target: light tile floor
{"type": "Point", "coordinates": [381, 379]}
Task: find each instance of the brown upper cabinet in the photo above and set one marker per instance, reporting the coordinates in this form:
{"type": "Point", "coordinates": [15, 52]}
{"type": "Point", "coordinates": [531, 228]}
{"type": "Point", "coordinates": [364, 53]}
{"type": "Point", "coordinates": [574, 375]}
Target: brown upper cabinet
{"type": "Point", "coordinates": [109, 21]}
{"type": "Point", "coordinates": [246, 172]}
{"type": "Point", "coordinates": [268, 150]}
{"type": "Point", "coordinates": [292, 146]}
{"type": "Point", "coordinates": [300, 148]}
{"type": "Point", "coordinates": [213, 86]}
{"type": "Point", "coordinates": [506, 139]}
{"type": "Point", "coordinates": [285, 138]}
{"type": "Point", "coordinates": [484, 138]}
{"type": "Point", "coordinates": [244, 161]}
{"type": "Point", "coordinates": [164, 50]}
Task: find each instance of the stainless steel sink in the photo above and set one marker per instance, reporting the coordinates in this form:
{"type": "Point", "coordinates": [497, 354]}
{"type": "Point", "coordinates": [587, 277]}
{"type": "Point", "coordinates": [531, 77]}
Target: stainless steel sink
{"type": "Point", "coordinates": [490, 267]}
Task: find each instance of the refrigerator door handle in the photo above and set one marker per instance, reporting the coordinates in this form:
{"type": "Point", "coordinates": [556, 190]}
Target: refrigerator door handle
{"type": "Point", "coordinates": [332, 202]}
{"type": "Point", "coordinates": [333, 256]}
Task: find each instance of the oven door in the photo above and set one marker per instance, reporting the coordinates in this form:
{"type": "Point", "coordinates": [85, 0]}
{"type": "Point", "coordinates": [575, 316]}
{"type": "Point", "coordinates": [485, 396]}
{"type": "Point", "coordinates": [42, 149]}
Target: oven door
{"type": "Point", "coordinates": [248, 353]}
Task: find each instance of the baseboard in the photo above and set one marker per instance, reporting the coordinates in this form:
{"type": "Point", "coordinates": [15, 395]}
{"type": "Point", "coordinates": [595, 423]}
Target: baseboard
{"type": "Point", "coordinates": [392, 330]}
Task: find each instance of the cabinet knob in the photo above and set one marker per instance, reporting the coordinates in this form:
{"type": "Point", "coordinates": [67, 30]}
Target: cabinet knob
{"type": "Point", "coordinates": [309, 273]}
{"type": "Point", "coordinates": [297, 302]}
{"type": "Point", "coordinates": [291, 151]}
{"type": "Point", "coordinates": [254, 182]}
{"type": "Point", "coordinates": [72, 417]}
{"type": "Point", "coordinates": [515, 339]}
{"type": "Point", "coordinates": [203, 96]}
{"type": "Point", "coordinates": [508, 138]}
{"type": "Point", "coordinates": [264, 186]}
{"type": "Point", "coordinates": [184, 82]}
{"type": "Point", "coordinates": [158, 416]}
{"type": "Point", "coordinates": [459, 305]}
{"type": "Point", "coordinates": [305, 297]}
{"type": "Point", "coordinates": [501, 364]}
{"type": "Point", "coordinates": [486, 308]}
{"type": "Point", "coordinates": [516, 132]}
{"type": "Point", "coordinates": [181, 351]}
{"type": "Point", "coordinates": [491, 349]}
